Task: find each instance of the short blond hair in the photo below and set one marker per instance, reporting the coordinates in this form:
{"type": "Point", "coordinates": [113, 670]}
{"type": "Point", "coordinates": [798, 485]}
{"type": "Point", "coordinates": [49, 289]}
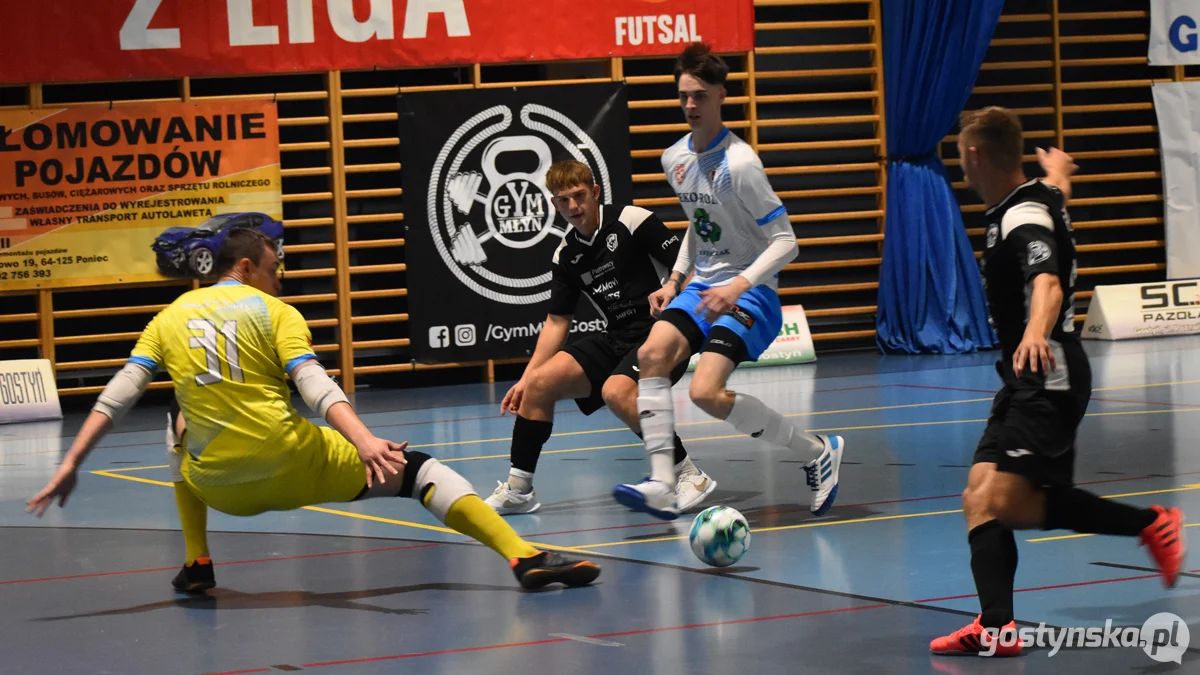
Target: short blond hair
{"type": "Point", "coordinates": [997, 133]}
{"type": "Point", "coordinates": [567, 174]}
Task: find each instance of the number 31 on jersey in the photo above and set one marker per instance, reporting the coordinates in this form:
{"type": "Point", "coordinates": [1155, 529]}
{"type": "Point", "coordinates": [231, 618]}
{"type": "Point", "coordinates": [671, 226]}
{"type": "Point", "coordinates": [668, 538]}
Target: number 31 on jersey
{"type": "Point", "coordinates": [207, 341]}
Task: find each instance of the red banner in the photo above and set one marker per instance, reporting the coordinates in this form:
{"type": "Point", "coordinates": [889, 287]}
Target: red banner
{"type": "Point", "coordinates": [85, 40]}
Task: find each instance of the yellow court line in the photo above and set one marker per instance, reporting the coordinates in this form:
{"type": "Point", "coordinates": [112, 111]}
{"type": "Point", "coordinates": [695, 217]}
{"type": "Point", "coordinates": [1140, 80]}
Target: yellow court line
{"type": "Point", "coordinates": [892, 426]}
{"type": "Point", "coordinates": [1148, 386]}
{"type": "Point", "coordinates": [1080, 536]}
{"type": "Point", "coordinates": [698, 439]}
{"type": "Point", "coordinates": [825, 412]}
{"type": "Point", "coordinates": [1141, 412]}
{"type": "Point", "coordinates": [378, 519]}
{"type": "Point", "coordinates": [873, 408]}
{"type": "Point", "coordinates": [348, 514]}
{"type": "Point", "coordinates": [851, 521]}
{"type": "Point", "coordinates": [785, 527]}
{"type": "Point", "coordinates": [930, 424]}
{"type": "Point", "coordinates": [1185, 488]}
{"type": "Point", "coordinates": [639, 444]}
{"type": "Point", "coordinates": [585, 548]}
{"type": "Point", "coordinates": [110, 474]}
{"type": "Point", "coordinates": [811, 431]}
{"type": "Point", "coordinates": [813, 413]}
{"type": "Point", "coordinates": [113, 473]}
{"type": "Point", "coordinates": [506, 455]}
{"type": "Point", "coordinates": [1193, 486]}
{"type": "Point", "coordinates": [1065, 536]}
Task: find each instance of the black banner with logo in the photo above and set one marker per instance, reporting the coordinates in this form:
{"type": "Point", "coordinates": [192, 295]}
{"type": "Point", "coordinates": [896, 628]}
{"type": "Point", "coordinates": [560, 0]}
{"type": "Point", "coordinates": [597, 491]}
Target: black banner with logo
{"type": "Point", "coordinates": [481, 227]}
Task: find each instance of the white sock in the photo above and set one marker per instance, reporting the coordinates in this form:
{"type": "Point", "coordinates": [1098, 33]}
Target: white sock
{"type": "Point", "coordinates": [750, 416]}
{"type": "Point", "coordinates": [657, 412]}
{"type": "Point", "coordinates": [686, 467]}
{"type": "Point", "coordinates": [521, 481]}
{"type": "Point", "coordinates": [662, 468]}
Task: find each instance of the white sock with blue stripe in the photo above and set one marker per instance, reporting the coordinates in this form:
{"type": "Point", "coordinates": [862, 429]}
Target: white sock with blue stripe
{"type": "Point", "coordinates": [751, 417]}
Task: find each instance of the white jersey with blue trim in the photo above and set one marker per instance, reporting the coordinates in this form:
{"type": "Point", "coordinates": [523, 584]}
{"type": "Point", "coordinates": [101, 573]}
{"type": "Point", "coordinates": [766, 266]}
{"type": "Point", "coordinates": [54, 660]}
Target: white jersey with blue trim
{"type": "Point", "coordinates": [734, 213]}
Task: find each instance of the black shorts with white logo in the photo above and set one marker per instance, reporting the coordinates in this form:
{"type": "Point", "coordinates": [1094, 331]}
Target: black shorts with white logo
{"type": "Point", "coordinates": [1031, 430]}
{"type": "Point", "coordinates": [602, 356]}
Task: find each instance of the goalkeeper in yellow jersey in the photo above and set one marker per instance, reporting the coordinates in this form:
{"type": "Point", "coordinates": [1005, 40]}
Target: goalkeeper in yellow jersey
{"type": "Point", "coordinates": [240, 447]}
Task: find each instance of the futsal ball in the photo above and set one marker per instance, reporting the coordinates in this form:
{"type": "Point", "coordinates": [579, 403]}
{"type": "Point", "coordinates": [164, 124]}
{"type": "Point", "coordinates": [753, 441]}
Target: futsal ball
{"type": "Point", "coordinates": [720, 536]}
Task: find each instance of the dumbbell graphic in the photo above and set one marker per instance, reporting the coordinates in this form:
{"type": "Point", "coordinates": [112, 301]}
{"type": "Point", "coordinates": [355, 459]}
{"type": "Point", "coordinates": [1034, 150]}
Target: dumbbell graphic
{"type": "Point", "coordinates": [515, 203]}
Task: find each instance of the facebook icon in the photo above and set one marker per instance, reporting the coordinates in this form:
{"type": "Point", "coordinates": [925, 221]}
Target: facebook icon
{"type": "Point", "coordinates": [439, 336]}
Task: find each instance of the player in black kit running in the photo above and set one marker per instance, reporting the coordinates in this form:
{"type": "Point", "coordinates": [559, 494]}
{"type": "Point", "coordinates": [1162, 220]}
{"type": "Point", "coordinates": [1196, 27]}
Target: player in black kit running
{"type": "Point", "coordinates": [615, 256]}
{"type": "Point", "coordinates": [1023, 472]}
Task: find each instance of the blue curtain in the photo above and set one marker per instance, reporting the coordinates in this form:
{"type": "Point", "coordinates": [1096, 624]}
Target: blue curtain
{"type": "Point", "coordinates": [931, 297]}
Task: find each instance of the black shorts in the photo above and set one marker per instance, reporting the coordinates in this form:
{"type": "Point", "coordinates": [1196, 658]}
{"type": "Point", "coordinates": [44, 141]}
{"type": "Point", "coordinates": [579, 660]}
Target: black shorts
{"type": "Point", "coordinates": [602, 356]}
{"type": "Point", "coordinates": [720, 340]}
{"type": "Point", "coordinates": [1031, 430]}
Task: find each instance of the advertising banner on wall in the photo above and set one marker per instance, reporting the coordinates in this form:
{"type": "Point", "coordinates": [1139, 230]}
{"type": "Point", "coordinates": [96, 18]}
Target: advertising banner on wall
{"type": "Point", "coordinates": [1130, 311]}
{"type": "Point", "coordinates": [93, 195]}
{"type": "Point", "coordinates": [82, 40]}
{"type": "Point", "coordinates": [1177, 105]}
{"type": "Point", "coordinates": [28, 392]}
{"type": "Point", "coordinates": [1174, 32]}
{"type": "Point", "coordinates": [480, 227]}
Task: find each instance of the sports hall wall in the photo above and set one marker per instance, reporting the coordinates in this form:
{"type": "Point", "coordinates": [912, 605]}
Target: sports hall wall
{"type": "Point", "coordinates": [809, 99]}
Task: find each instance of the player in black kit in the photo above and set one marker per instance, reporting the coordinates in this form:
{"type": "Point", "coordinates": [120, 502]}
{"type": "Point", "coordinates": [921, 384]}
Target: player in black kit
{"type": "Point", "coordinates": [1023, 472]}
{"type": "Point", "coordinates": [615, 256]}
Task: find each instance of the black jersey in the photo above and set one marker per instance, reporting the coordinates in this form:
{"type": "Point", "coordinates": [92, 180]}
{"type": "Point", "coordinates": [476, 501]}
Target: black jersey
{"type": "Point", "coordinates": [1028, 233]}
{"type": "Point", "coordinates": [628, 257]}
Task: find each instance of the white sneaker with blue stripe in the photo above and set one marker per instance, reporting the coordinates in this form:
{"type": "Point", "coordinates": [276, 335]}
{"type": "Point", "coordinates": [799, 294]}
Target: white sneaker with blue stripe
{"type": "Point", "coordinates": [823, 474]}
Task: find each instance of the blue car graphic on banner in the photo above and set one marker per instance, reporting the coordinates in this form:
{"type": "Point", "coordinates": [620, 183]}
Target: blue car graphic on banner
{"type": "Point", "coordinates": [192, 251]}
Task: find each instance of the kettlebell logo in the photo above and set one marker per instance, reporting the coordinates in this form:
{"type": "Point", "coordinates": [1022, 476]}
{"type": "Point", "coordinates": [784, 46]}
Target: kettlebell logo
{"type": "Point", "coordinates": [490, 212]}
{"type": "Point", "coordinates": [517, 212]}
{"type": "Point", "coordinates": [708, 230]}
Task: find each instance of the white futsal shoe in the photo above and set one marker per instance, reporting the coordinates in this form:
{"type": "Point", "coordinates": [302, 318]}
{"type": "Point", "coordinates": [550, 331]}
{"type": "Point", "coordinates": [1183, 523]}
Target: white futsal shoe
{"type": "Point", "coordinates": [692, 487]}
{"type": "Point", "coordinates": [823, 474]}
{"type": "Point", "coordinates": [649, 496]}
{"type": "Point", "coordinates": [507, 501]}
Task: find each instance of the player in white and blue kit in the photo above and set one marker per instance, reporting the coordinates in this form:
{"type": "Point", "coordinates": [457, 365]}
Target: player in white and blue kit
{"type": "Point", "coordinates": [739, 239]}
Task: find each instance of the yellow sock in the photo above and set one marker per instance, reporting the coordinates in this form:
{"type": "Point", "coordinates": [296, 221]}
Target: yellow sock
{"type": "Point", "coordinates": [477, 520]}
{"type": "Point", "coordinates": [193, 517]}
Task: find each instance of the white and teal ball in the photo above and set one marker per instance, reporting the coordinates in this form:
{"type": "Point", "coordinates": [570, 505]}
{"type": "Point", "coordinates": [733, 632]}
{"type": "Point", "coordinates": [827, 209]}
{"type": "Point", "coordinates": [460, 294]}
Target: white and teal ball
{"type": "Point", "coordinates": [720, 536]}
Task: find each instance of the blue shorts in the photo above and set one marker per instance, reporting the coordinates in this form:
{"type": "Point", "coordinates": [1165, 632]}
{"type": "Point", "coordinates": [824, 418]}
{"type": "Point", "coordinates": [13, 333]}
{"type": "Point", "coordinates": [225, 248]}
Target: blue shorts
{"type": "Point", "coordinates": [754, 320]}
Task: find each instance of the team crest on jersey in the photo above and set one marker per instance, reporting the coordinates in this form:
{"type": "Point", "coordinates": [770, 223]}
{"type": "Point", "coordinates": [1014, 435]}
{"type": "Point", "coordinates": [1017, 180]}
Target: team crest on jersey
{"type": "Point", "coordinates": [708, 230]}
{"type": "Point", "coordinates": [680, 169]}
{"type": "Point", "coordinates": [611, 242]}
{"type": "Point", "coordinates": [487, 219]}
{"type": "Point", "coordinates": [993, 234]}
{"type": "Point", "coordinates": [1038, 252]}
